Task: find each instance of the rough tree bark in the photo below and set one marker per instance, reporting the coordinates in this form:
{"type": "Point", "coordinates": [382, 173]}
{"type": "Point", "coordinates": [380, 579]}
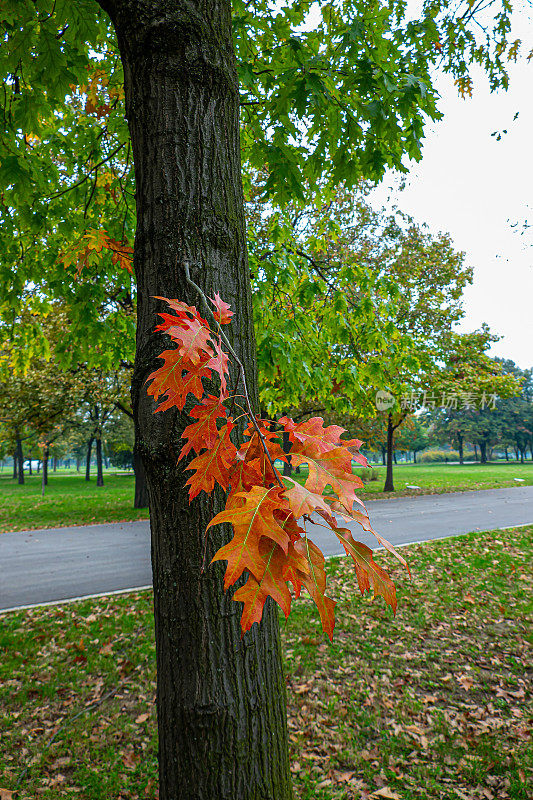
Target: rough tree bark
{"type": "Point", "coordinates": [141, 488]}
{"type": "Point", "coordinates": [221, 699]}
{"type": "Point", "coordinates": [483, 451]}
{"type": "Point", "coordinates": [15, 468]}
{"type": "Point", "coordinates": [389, 482]}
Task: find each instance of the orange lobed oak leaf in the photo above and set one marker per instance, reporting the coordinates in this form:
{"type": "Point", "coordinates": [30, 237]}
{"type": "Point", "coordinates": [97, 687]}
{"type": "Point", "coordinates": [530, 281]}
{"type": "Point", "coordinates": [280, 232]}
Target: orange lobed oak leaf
{"type": "Point", "coordinates": [302, 501]}
{"type": "Point", "coordinates": [176, 379]}
{"type": "Point", "coordinates": [204, 433]}
{"type": "Point", "coordinates": [214, 464]}
{"type": "Point", "coordinates": [255, 592]}
{"type": "Point", "coordinates": [314, 580]}
{"type": "Point", "coordinates": [369, 574]}
{"type": "Point", "coordinates": [330, 470]}
{"type": "Point", "coordinates": [223, 313]}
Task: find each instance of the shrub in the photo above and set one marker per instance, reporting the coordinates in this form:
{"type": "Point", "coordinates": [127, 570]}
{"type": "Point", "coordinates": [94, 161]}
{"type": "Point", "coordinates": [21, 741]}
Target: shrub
{"type": "Point", "coordinates": [434, 456]}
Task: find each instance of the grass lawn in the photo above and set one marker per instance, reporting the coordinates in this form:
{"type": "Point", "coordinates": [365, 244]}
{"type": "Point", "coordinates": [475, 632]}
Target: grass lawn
{"type": "Point", "coordinates": [430, 705]}
{"type": "Point", "coordinates": [68, 500]}
{"type": "Point", "coordinates": [437, 478]}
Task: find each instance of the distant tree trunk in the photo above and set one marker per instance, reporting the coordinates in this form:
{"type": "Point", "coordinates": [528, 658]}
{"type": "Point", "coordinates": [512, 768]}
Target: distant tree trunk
{"type": "Point", "coordinates": [54, 463]}
{"type": "Point", "coordinates": [20, 462]}
{"type": "Point", "coordinates": [506, 454]}
{"type": "Point", "coordinates": [287, 468]}
{"type": "Point", "coordinates": [394, 456]}
{"type": "Point", "coordinates": [38, 465]}
{"type": "Point", "coordinates": [483, 451]}
{"type": "Point", "coordinates": [15, 469]}
{"type": "Point", "coordinates": [29, 465]}
{"type": "Point", "coordinates": [522, 455]}
{"type": "Point", "coordinates": [460, 447]}
{"type": "Point", "coordinates": [88, 461]}
{"type": "Point", "coordinates": [141, 488]}
{"type": "Point", "coordinates": [78, 463]}
{"type": "Point", "coordinates": [475, 452]}
{"type": "Point", "coordinates": [383, 456]}
{"type": "Point", "coordinates": [99, 470]}
{"type": "Point", "coordinates": [389, 483]}
{"type": "Point", "coordinates": [44, 481]}
{"type": "Point", "coordinates": [414, 456]}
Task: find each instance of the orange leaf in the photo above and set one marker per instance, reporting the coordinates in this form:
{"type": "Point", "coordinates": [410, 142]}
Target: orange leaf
{"type": "Point", "coordinates": [315, 439]}
{"type": "Point", "coordinates": [169, 380]}
{"type": "Point", "coordinates": [330, 470]}
{"type": "Point", "coordinates": [256, 517]}
{"type": "Point", "coordinates": [213, 465]}
{"type": "Point", "coordinates": [203, 433]}
{"type": "Point", "coordinates": [272, 584]}
{"type": "Point", "coordinates": [302, 501]}
{"type": "Point", "coordinates": [314, 580]}
{"type": "Point", "coordinates": [223, 314]}
{"type": "Point", "coordinates": [368, 572]}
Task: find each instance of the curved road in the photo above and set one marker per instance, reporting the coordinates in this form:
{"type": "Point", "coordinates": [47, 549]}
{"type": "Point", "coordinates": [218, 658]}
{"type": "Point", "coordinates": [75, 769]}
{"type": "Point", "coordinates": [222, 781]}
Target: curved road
{"type": "Point", "coordinates": [43, 566]}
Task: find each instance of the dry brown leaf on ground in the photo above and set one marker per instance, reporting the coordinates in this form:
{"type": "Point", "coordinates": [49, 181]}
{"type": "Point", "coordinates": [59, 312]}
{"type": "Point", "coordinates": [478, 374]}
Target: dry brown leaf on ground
{"type": "Point", "coordinates": [387, 793]}
{"type": "Point", "coordinates": [6, 794]}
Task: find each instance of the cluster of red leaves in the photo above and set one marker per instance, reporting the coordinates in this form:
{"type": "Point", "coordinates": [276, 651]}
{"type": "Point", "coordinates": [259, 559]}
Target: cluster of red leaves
{"type": "Point", "coordinates": [268, 513]}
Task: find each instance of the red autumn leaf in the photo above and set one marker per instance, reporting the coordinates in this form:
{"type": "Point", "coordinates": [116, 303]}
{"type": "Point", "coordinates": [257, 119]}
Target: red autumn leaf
{"type": "Point", "coordinates": [219, 364]}
{"type": "Point", "coordinates": [256, 517]}
{"type": "Point", "coordinates": [369, 574]}
{"type": "Point", "coordinates": [255, 592]}
{"type": "Point", "coordinates": [314, 580]}
{"type": "Point", "coordinates": [170, 380]}
{"type": "Point", "coordinates": [223, 313]}
{"type": "Point", "coordinates": [204, 433]}
{"type": "Point", "coordinates": [331, 471]}
{"type": "Point", "coordinates": [302, 501]}
{"type": "Point", "coordinates": [213, 465]}
{"type": "Point", "coordinates": [315, 439]}
{"type": "Point", "coordinates": [193, 338]}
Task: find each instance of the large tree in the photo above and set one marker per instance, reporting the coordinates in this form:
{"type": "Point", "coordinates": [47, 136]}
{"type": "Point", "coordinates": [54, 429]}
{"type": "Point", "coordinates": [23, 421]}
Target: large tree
{"type": "Point", "coordinates": [342, 99]}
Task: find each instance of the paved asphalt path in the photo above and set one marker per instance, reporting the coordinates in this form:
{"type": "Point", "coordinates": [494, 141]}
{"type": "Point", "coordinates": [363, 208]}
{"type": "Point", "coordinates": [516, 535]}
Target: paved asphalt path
{"type": "Point", "coordinates": [42, 566]}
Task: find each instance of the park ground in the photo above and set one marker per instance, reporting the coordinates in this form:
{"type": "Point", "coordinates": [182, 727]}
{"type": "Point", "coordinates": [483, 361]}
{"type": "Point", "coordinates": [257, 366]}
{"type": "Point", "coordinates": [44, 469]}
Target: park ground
{"type": "Point", "coordinates": [428, 705]}
{"type": "Point", "coordinates": [70, 500]}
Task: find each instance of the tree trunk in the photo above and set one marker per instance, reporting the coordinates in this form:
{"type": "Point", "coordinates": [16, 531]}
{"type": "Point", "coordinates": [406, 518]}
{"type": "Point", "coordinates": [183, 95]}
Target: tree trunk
{"type": "Point", "coordinates": [141, 489]}
{"type": "Point", "coordinates": [389, 483]}
{"type": "Point", "coordinates": [88, 461]}
{"type": "Point", "coordinates": [515, 453]}
{"type": "Point", "coordinates": [38, 465]}
{"type": "Point", "coordinates": [383, 455]}
{"type": "Point", "coordinates": [15, 466]}
{"type": "Point", "coordinates": [78, 463]}
{"type": "Point", "coordinates": [394, 457]}
{"type": "Point", "coordinates": [460, 443]}
{"type": "Point", "coordinates": [29, 465]}
{"type": "Point", "coordinates": [286, 445]}
{"type": "Point", "coordinates": [20, 462]}
{"type": "Point", "coordinates": [414, 456]}
{"type": "Point", "coordinates": [506, 454]}
{"type": "Point", "coordinates": [99, 465]}
{"type": "Point", "coordinates": [221, 699]}
{"type": "Point", "coordinates": [44, 480]}
{"type": "Point", "coordinates": [483, 451]}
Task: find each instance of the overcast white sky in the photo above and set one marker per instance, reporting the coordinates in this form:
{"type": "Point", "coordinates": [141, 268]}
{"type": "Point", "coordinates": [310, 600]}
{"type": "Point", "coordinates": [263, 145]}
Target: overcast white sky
{"type": "Point", "coordinates": [475, 187]}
